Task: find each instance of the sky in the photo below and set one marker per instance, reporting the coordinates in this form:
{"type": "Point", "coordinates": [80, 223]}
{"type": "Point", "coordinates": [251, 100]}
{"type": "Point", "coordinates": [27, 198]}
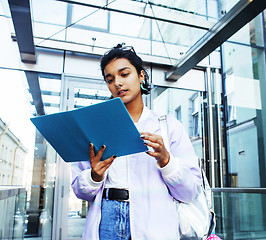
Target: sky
{"type": "Point", "coordinates": [14, 106]}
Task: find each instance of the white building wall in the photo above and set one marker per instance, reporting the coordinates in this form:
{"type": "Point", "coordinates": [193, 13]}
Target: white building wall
{"type": "Point", "coordinates": [12, 158]}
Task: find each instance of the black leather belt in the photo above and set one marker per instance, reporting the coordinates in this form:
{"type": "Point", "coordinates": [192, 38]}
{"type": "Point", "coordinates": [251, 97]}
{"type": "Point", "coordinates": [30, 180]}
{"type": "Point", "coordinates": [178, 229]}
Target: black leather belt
{"type": "Point", "coordinates": [116, 194]}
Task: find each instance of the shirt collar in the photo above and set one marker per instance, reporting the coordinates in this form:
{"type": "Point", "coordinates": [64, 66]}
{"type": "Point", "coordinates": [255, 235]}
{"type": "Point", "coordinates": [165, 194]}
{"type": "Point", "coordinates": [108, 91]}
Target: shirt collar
{"type": "Point", "coordinates": [144, 115]}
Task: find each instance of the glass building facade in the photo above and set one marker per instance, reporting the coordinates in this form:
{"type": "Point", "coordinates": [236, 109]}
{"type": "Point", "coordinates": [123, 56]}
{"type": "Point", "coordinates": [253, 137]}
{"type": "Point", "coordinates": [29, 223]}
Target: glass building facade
{"type": "Point", "coordinates": [221, 101]}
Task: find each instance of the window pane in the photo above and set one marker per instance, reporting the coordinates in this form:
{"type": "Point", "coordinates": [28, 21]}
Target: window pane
{"type": "Point", "coordinates": [251, 33]}
{"type": "Point", "coordinates": [26, 159]}
{"type": "Point", "coordinates": [89, 17]}
{"type": "Point", "coordinates": [171, 101]}
{"type": "Point", "coordinates": [246, 114]}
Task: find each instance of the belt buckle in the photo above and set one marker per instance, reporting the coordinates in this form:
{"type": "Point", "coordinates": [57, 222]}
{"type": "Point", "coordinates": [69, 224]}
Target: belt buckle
{"type": "Point", "coordinates": [116, 194]}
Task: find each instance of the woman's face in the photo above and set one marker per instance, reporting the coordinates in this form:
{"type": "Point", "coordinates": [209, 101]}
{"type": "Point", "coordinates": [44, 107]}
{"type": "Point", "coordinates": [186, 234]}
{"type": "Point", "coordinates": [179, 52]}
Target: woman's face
{"type": "Point", "coordinates": [123, 80]}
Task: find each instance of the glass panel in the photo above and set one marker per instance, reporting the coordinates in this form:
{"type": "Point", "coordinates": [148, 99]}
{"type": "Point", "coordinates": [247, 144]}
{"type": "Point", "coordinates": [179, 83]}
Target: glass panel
{"type": "Point", "coordinates": [124, 24]}
{"type": "Point", "coordinates": [170, 33]}
{"type": "Point", "coordinates": [51, 92]}
{"type": "Point", "coordinates": [185, 105]}
{"type": "Point", "coordinates": [138, 7]}
{"type": "Point", "coordinates": [26, 158]}
{"type": "Point", "coordinates": [91, 26]}
{"type": "Point", "coordinates": [20, 222]}
{"type": "Point", "coordinates": [89, 17]}
{"type": "Point", "coordinates": [40, 201]}
{"type": "Point", "coordinates": [50, 12]}
{"type": "Point", "coordinates": [48, 31]}
{"type": "Point", "coordinates": [84, 97]}
{"type": "Point", "coordinates": [246, 114]}
{"type": "Point", "coordinates": [12, 205]}
{"type": "Point", "coordinates": [197, 7]}
{"type": "Point", "coordinates": [49, 19]}
{"type": "Point", "coordinates": [213, 9]}
{"type": "Point", "coordinates": [251, 33]}
{"type": "Point", "coordinates": [226, 5]}
{"type": "Point", "coordinates": [240, 215]}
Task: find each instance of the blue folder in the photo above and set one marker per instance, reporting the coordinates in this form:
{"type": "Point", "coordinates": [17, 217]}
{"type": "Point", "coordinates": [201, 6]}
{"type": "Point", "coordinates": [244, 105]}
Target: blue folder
{"type": "Point", "coordinates": [107, 123]}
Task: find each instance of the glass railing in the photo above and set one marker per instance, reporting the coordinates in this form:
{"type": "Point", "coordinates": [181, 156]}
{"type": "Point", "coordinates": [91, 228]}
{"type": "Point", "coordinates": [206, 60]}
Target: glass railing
{"type": "Point", "coordinates": [12, 212]}
{"type": "Point", "coordinates": [240, 213]}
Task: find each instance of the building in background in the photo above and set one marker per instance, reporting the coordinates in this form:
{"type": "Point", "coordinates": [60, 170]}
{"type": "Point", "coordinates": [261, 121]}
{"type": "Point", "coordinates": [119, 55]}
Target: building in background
{"type": "Point", "coordinates": [12, 157]}
{"type": "Point", "coordinates": [186, 107]}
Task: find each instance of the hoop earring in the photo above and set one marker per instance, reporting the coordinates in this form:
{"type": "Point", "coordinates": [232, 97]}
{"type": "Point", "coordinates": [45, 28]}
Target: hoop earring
{"type": "Point", "coordinates": [141, 86]}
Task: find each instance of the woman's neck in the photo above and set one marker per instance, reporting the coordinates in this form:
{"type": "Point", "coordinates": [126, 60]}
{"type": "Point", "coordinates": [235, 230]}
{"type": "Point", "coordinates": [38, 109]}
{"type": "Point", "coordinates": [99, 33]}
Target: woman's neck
{"type": "Point", "coordinates": [135, 110]}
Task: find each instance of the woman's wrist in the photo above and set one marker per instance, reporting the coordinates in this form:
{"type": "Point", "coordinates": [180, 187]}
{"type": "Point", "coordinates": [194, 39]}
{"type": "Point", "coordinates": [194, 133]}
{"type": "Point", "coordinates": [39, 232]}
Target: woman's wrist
{"type": "Point", "coordinates": [165, 161]}
{"type": "Point", "coordinates": [95, 177]}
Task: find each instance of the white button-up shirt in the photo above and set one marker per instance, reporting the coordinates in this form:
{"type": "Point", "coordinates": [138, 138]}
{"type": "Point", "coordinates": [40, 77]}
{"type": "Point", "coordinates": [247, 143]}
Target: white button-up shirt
{"type": "Point", "coordinates": [151, 189]}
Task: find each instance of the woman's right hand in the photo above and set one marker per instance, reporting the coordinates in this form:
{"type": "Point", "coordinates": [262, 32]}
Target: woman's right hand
{"type": "Point", "coordinates": [99, 167]}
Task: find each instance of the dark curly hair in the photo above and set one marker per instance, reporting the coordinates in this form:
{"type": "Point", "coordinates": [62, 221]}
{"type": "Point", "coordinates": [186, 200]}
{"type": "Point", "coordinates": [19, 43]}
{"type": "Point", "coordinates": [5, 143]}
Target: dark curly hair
{"type": "Point", "coordinates": [126, 52]}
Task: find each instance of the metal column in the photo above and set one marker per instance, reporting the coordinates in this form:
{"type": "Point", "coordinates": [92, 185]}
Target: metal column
{"type": "Point", "coordinates": [211, 129]}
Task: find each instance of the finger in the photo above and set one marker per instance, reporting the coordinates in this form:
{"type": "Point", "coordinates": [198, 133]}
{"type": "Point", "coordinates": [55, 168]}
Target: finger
{"type": "Point", "coordinates": [147, 134]}
{"type": "Point", "coordinates": [156, 146]}
{"type": "Point", "coordinates": [100, 152]}
{"type": "Point", "coordinates": [154, 154]}
{"type": "Point", "coordinates": [150, 153]}
{"type": "Point", "coordinates": [148, 137]}
{"type": "Point", "coordinates": [144, 134]}
{"type": "Point", "coordinates": [107, 163]}
{"type": "Point", "coordinates": [103, 170]}
{"type": "Point", "coordinates": [154, 138]}
{"type": "Point", "coordinates": [92, 154]}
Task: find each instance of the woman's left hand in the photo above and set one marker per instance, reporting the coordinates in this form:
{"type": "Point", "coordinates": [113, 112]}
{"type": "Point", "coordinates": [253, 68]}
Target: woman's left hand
{"type": "Point", "coordinates": [156, 142]}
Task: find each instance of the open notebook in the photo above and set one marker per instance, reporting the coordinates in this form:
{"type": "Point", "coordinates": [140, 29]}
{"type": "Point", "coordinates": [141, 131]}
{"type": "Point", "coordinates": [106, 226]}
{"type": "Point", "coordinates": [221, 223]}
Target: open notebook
{"type": "Point", "coordinates": [108, 123]}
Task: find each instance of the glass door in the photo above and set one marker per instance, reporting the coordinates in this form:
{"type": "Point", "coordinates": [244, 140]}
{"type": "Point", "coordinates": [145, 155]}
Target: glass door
{"type": "Point", "coordinates": [76, 92]}
{"type": "Point", "coordinates": [200, 111]}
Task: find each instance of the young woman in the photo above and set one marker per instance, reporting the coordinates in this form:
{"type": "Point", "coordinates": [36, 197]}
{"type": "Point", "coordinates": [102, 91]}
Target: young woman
{"type": "Point", "coordinates": [132, 196]}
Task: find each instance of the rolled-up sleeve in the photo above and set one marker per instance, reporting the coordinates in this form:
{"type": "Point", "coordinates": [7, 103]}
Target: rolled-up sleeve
{"type": "Point", "coordinates": [83, 185]}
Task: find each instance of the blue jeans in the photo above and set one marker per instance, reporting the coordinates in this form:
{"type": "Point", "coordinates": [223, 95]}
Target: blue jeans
{"type": "Point", "coordinates": [114, 223]}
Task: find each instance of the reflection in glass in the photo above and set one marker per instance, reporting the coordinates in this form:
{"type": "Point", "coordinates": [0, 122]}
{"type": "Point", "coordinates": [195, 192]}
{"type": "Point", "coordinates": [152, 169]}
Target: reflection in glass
{"type": "Point", "coordinates": [185, 105]}
{"type": "Point", "coordinates": [240, 215]}
{"type": "Point", "coordinates": [25, 162]}
{"type": "Point", "coordinates": [40, 204]}
{"type": "Point", "coordinates": [13, 220]}
{"type": "Point", "coordinates": [251, 33]}
{"type": "Point", "coordinates": [246, 114]}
